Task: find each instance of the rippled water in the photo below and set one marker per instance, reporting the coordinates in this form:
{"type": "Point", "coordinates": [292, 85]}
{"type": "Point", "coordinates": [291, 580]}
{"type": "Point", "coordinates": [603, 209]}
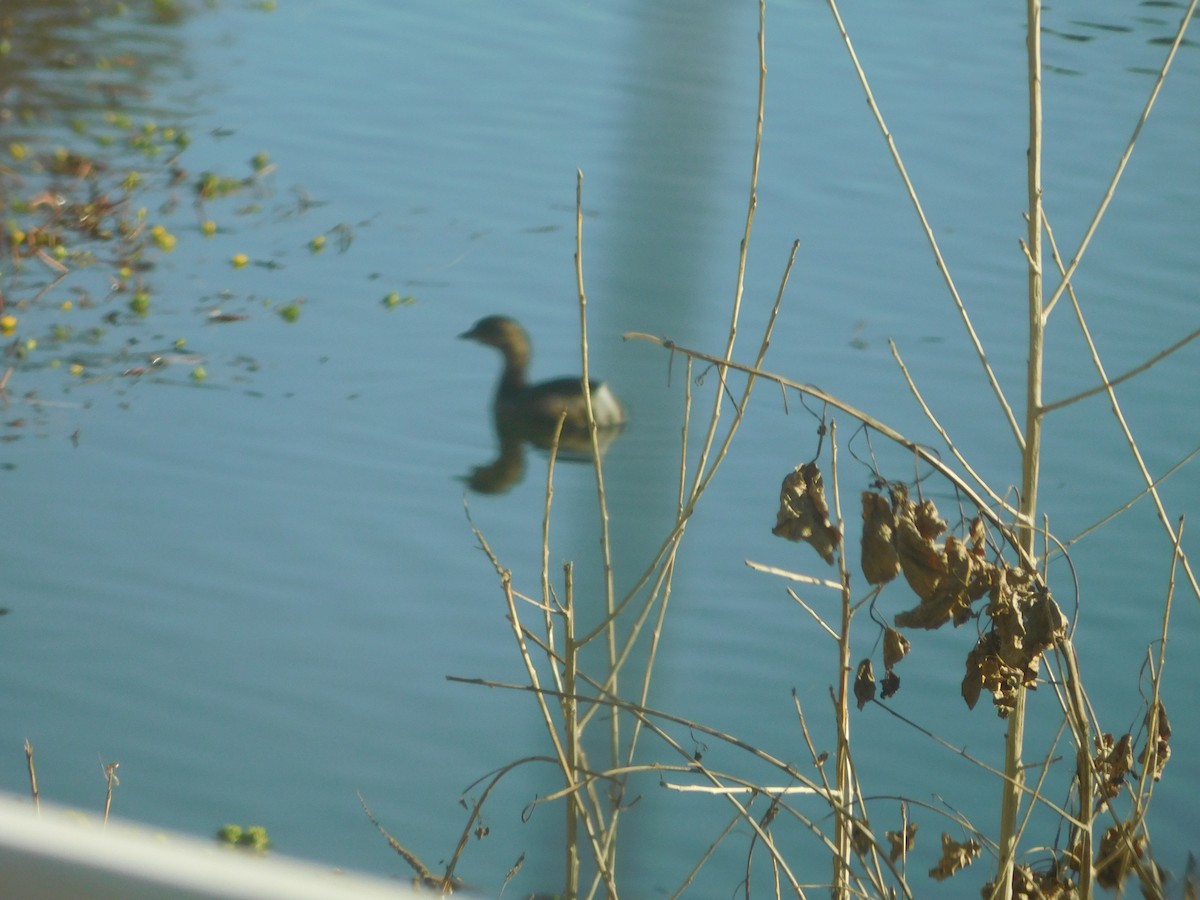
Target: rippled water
{"type": "Point", "coordinates": [248, 590]}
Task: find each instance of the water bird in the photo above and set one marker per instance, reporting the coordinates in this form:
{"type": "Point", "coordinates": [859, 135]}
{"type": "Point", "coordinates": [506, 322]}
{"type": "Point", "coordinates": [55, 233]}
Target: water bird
{"type": "Point", "coordinates": [528, 413]}
{"type": "Point", "coordinates": [545, 401]}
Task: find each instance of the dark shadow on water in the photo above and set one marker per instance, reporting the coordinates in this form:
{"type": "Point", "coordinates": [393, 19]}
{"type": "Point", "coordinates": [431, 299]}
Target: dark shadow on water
{"type": "Point", "coordinates": [513, 432]}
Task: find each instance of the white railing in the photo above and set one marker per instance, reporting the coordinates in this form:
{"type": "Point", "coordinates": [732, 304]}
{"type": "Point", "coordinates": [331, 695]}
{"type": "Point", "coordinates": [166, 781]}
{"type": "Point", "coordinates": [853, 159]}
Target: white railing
{"type": "Point", "coordinates": [54, 853]}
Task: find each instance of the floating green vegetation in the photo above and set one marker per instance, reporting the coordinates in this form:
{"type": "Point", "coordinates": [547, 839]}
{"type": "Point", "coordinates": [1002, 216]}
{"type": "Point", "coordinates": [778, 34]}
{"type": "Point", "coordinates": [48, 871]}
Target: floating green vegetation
{"type": "Point", "coordinates": [91, 186]}
{"type": "Point", "coordinates": [393, 299]}
{"type": "Point", "coordinates": [105, 191]}
{"type": "Point", "coordinates": [252, 838]}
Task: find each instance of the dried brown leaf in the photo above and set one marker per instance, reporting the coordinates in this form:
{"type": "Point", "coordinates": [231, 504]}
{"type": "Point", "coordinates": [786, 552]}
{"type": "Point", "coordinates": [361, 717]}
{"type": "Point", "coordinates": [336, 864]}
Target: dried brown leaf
{"type": "Point", "coordinates": [1157, 751]}
{"type": "Point", "coordinates": [895, 647]}
{"type": "Point", "coordinates": [1028, 884]}
{"type": "Point", "coordinates": [889, 685]}
{"type": "Point", "coordinates": [955, 857]}
{"type": "Point", "coordinates": [929, 523]}
{"type": "Point", "coordinates": [864, 683]}
{"type": "Point", "coordinates": [803, 513]}
{"type": "Point", "coordinates": [1115, 858]}
{"type": "Point", "coordinates": [977, 536]}
{"type": "Point", "coordinates": [880, 562]}
{"type": "Point", "coordinates": [860, 839]}
{"type": "Point", "coordinates": [901, 842]}
{"type": "Point", "coordinates": [1113, 762]}
{"type": "Point", "coordinates": [972, 684]}
{"type": "Point", "coordinates": [1026, 622]}
{"type": "Point", "coordinates": [963, 578]}
{"type": "Point", "coordinates": [987, 669]}
{"type": "Point", "coordinates": [920, 559]}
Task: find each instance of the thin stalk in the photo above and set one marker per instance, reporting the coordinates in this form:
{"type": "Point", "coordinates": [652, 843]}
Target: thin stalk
{"type": "Point", "coordinates": [1126, 431]}
{"type": "Point", "coordinates": [919, 451]}
{"type": "Point", "coordinates": [743, 252]}
{"type": "Point", "coordinates": [570, 708]}
{"type": "Point", "coordinates": [33, 786]}
{"type": "Point", "coordinates": [111, 782]}
{"type": "Point", "coordinates": [945, 435]}
{"type": "Point", "coordinates": [1112, 383]}
{"type": "Point", "coordinates": [549, 605]}
{"type": "Point", "coordinates": [1112, 185]}
{"type": "Point", "coordinates": [602, 502]}
{"type": "Point", "coordinates": [1085, 775]}
{"type": "Point", "coordinates": [843, 823]}
{"type": "Point", "coordinates": [1014, 739]}
{"type": "Point", "coordinates": [927, 228]}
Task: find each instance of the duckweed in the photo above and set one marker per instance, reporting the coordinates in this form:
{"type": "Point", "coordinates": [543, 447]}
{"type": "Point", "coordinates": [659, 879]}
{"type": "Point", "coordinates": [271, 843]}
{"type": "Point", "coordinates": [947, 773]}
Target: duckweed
{"type": "Point", "coordinates": [393, 299]}
{"type": "Point", "coordinates": [253, 838]}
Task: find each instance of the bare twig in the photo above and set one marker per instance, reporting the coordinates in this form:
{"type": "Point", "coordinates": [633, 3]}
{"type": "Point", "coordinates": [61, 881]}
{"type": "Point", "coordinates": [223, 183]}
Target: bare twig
{"type": "Point", "coordinates": [1069, 272]}
{"type": "Point", "coordinates": [33, 785]}
{"type": "Point", "coordinates": [962, 461]}
{"type": "Point", "coordinates": [111, 781]}
{"type": "Point", "coordinates": [867, 419]}
{"type": "Point", "coordinates": [928, 229]}
{"type": "Point", "coordinates": [1112, 383]}
{"type": "Point", "coordinates": [424, 877]}
{"type": "Point", "coordinates": [1126, 431]}
{"type": "Point", "coordinates": [1130, 503]}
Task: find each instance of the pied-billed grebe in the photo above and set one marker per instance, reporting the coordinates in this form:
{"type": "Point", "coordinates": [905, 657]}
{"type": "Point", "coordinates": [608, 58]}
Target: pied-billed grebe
{"type": "Point", "coordinates": [546, 401]}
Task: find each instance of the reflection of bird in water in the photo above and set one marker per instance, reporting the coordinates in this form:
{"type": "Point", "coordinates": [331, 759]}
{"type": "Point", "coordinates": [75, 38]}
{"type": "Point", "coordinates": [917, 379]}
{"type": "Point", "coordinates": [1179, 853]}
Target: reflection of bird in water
{"type": "Point", "coordinates": [530, 412]}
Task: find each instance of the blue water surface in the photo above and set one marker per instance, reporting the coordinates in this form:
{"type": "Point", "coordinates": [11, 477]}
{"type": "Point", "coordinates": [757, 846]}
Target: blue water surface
{"type": "Point", "coordinates": [249, 590]}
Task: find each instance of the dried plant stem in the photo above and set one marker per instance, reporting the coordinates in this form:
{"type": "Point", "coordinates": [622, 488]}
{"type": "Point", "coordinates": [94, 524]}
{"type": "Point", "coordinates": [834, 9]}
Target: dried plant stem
{"type": "Point", "coordinates": [602, 506]}
{"type": "Point", "coordinates": [869, 420]}
{"type": "Point", "coordinates": [1136, 370]}
{"type": "Point", "coordinates": [843, 775]}
{"type": "Point", "coordinates": [928, 229]}
{"type": "Point", "coordinates": [1069, 273]}
{"type": "Point", "coordinates": [662, 561]}
{"type": "Point", "coordinates": [548, 601]}
{"type": "Point", "coordinates": [1077, 708]}
{"type": "Point", "coordinates": [424, 876]}
{"type": "Point", "coordinates": [33, 785]}
{"type": "Point", "coordinates": [1145, 786]}
{"type": "Point", "coordinates": [1129, 503]}
{"type": "Point", "coordinates": [962, 460]}
{"type": "Point", "coordinates": [793, 576]}
{"type": "Point", "coordinates": [1014, 737]}
{"type": "Point", "coordinates": [1143, 469]}
{"type": "Point", "coordinates": [743, 252]}
{"type": "Point", "coordinates": [976, 761]}
{"type": "Point", "coordinates": [584, 813]}
{"type": "Point", "coordinates": [706, 856]}
{"type": "Point", "coordinates": [649, 715]}
{"type": "Point", "coordinates": [587, 391]}
{"type": "Point", "coordinates": [111, 781]}
{"type": "Point", "coordinates": [572, 733]}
